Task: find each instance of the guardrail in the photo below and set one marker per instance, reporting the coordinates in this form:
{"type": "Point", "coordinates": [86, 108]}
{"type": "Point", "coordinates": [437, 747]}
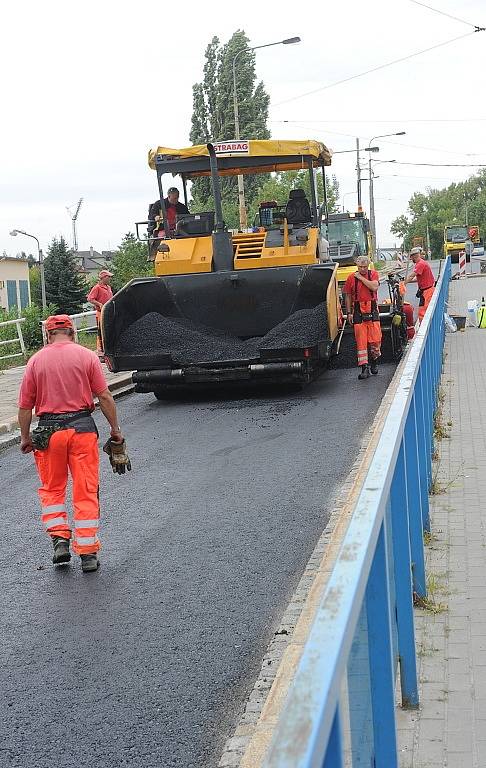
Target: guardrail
{"type": "Point", "coordinates": [341, 707]}
{"type": "Point", "coordinates": [19, 339]}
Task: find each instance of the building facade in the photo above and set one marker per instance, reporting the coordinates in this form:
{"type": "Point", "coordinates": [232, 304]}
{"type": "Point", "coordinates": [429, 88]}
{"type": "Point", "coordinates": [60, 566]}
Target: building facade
{"type": "Point", "coordinates": [14, 283]}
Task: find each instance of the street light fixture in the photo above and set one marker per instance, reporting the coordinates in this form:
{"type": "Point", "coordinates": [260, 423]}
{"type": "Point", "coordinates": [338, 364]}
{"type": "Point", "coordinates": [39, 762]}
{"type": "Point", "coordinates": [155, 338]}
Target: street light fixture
{"type": "Point", "coordinates": [241, 186]}
{"type": "Point", "coordinates": [370, 174]}
{"type": "Point", "coordinates": [16, 232]}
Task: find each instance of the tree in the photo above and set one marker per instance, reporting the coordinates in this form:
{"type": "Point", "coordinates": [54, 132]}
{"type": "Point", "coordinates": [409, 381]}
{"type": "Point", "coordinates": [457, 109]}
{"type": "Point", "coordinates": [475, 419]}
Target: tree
{"type": "Point", "coordinates": [35, 286]}
{"type": "Point", "coordinates": [65, 286]}
{"type": "Point", "coordinates": [213, 116]}
{"type": "Point", "coordinates": [129, 261]}
{"type": "Point", "coordinates": [438, 208]}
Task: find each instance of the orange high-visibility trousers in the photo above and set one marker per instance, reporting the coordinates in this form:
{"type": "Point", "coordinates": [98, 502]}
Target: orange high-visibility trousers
{"type": "Point", "coordinates": [99, 340]}
{"type": "Point", "coordinates": [427, 296]}
{"type": "Point", "coordinates": [78, 453]}
{"type": "Point", "coordinates": [367, 333]}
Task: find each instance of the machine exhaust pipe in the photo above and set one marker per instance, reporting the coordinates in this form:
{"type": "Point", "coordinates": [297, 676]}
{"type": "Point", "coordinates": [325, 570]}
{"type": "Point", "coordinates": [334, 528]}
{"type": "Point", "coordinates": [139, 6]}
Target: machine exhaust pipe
{"type": "Point", "coordinates": [223, 259]}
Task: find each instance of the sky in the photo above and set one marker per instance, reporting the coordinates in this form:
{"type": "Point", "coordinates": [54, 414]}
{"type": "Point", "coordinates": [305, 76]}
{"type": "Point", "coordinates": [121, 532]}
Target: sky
{"type": "Point", "coordinates": [89, 87]}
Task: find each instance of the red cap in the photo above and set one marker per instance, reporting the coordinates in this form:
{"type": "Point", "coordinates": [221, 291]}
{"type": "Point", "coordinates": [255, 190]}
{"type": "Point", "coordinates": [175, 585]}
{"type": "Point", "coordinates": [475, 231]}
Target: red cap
{"type": "Point", "coordinates": [105, 273]}
{"type": "Point", "coordinates": [58, 321]}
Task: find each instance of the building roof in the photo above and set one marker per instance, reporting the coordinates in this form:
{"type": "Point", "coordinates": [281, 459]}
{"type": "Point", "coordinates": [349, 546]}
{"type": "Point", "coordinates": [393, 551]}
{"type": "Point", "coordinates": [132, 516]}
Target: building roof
{"type": "Point", "coordinates": [92, 261]}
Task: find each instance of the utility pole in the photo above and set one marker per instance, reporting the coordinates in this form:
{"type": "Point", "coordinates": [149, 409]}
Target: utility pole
{"type": "Point", "coordinates": [358, 171]}
{"type": "Point", "coordinates": [372, 211]}
{"type": "Point", "coordinates": [429, 252]}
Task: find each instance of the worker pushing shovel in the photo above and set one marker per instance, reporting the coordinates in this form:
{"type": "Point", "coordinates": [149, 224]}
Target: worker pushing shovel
{"type": "Point", "coordinates": [59, 382]}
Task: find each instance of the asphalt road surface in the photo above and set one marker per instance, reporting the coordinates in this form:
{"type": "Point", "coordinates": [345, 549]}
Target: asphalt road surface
{"type": "Point", "coordinates": [148, 662]}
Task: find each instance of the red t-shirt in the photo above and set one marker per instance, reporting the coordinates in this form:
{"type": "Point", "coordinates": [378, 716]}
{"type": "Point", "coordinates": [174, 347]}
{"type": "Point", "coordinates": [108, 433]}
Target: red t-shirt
{"type": "Point", "coordinates": [60, 378]}
{"type": "Point", "coordinates": [100, 292]}
{"type": "Point", "coordinates": [425, 276]}
{"type": "Point", "coordinates": [360, 292]}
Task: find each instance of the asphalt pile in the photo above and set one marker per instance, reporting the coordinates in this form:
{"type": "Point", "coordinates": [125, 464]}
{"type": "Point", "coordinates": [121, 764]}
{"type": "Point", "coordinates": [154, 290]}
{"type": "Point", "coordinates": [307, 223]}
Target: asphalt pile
{"type": "Point", "coordinates": [190, 342]}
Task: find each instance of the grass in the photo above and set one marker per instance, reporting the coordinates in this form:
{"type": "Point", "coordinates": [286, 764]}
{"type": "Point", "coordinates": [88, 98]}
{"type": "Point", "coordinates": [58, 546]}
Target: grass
{"type": "Point", "coordinates": [435, 587]}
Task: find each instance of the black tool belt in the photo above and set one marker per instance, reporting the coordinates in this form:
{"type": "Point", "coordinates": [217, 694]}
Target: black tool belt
{"type": "Point", "coordinates": [364, 317]}
{"type": "Point", "coordinates": [420, 294]}
{"type": "Point", "coordinates": [80, 421]}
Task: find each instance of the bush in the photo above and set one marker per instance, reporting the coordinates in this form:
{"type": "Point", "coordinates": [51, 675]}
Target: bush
{"type": "Point", "coordinates": [31, 327]}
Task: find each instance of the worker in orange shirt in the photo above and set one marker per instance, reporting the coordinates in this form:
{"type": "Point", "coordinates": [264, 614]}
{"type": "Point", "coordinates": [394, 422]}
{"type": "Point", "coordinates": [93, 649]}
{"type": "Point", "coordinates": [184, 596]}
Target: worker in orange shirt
{"type": "Point", "coordinates": [360, 293]}
{"type": "Point", "coordinates": [424, 277]}
{"type": "Point", "coordinates": [98, 296]}
{"type": "Point", "coordinates": [59, 382]}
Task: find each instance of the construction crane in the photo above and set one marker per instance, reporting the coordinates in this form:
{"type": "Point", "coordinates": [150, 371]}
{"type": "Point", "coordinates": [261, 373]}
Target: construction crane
{"type": "Point", "coordinates": [74, 218]}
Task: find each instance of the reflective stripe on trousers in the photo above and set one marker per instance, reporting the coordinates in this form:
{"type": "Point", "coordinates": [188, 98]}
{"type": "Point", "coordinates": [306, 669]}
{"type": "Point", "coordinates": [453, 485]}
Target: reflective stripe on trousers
{"type": "Point", "coordinates": [76, 452]}
{"type": "Point", "coordinates": [367, 333]}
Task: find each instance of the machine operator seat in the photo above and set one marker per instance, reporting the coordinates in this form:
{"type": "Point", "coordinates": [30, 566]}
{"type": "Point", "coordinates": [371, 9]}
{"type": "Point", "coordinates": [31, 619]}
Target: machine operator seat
{"type": "Point", "coordinates": [298, 209]}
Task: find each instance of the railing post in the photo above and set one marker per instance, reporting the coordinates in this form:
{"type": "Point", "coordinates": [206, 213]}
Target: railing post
{"type": "Point", "coordinates": [334, 751]}
{"type": "Point", "coordinates": [414, 500]}
{"type": "Point", "coordinates": [402, 564]}
{"type": "Point", "coordinates": [380, 655]}
{"type": "Point", "coordinates": [20, 335]}
{"type": "Point", "coordinates": [424, 445]}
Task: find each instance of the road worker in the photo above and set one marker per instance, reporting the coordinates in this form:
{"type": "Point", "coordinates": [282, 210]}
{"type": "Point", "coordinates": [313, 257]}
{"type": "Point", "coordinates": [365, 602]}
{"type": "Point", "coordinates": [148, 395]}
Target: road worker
{"type": "Point", "coordinates": [98, 296]}
{"type": "Point", "coordinates": [173, 209]}
{"type": "Point", "coordinates": [424, 277]}
{"type": "Point", "coordinates": [360, 293]}
{"type": "Point", "coordinates": [59, 382]}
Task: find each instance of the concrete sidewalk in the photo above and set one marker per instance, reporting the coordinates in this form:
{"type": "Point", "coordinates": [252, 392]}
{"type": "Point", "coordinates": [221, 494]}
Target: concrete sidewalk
{"type": "Point", "coordinates": [9, 389]}
{"type": "Point", "coordinates": [449, 729]}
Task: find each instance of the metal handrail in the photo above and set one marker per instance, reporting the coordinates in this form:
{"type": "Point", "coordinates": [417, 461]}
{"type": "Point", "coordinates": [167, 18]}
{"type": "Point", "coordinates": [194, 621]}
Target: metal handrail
{"type": "Point", "coordinates": [378, 569]}
{"type": "Point", "coordinates": [19, 339]}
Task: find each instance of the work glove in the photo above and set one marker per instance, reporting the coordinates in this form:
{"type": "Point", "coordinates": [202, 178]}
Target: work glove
{"type": "Point", "coordinates": [117, 453]}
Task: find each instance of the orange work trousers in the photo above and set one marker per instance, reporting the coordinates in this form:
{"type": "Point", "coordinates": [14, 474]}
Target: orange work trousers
{"type": "Point", "coordinates": [427, 296]}
{"type": "Point", "coordinates": [367, 334]}
{"type": "Point", "coordinates": [78, 453]}
{"type": "Point", "coordinates": [99, 340]}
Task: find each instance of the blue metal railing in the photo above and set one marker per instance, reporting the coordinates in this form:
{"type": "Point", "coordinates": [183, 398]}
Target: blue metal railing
{"type": "Point", "coordinates": [341, 706]}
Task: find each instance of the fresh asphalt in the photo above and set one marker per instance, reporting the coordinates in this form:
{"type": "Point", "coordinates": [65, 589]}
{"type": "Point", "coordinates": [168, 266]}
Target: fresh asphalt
{"type": "Point", "coordinates": [148, 662]}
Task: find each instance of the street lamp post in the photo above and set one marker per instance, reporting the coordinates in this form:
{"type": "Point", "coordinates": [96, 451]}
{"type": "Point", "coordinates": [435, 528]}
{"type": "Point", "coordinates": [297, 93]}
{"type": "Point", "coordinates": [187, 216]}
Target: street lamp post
{"type": "Point", "coordinates": [353, 192]}
{"type": "Point", "coordinates": [370, 174]}
{"type": "Point", "coordinates": [241, 186]}
{"type": "Point", "coordinates": [16, 232]}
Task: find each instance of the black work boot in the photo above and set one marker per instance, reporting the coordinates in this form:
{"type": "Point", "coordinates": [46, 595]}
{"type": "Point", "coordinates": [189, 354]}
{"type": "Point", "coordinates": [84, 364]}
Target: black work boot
{"type": "Point", "coordinates": [374, 367]}
{"type": "Point", "coordinates": [365, 372]}
{"type": "Point", "coordinates": [61, 550]}
{"type": "Point", "coordinates": [90, 562]}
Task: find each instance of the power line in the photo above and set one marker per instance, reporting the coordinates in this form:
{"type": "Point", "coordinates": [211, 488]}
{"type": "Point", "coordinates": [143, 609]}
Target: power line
{"type": "Point", "coordinates": [375, 69]}
{"type": "Point", "coordinates": [397, 120]}
{"type": "Point", "coordinates": [445, 165]}
{"type": "Point", "coordinates": [298, 124]}
{"type": "Point", "coordinates": [443, 13]}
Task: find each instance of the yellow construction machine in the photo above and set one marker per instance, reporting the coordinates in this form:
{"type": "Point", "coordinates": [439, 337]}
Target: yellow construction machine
{"type": "Point", "coordinates": [257, 305]}
{"type": "Point", "coordinates": [349, 236]}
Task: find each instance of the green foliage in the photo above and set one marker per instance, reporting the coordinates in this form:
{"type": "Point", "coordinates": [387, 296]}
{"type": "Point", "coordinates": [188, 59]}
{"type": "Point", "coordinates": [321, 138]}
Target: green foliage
{"type": "Point", "coordinates": [129, 261]}
{"type": "Point", "coordinates": [213, 114]}
{"type": "Point", "coordinates": [65, 286]}
{"type": "Point", "coordinates": [31, 328]}
{"type": "Point", "coordinates": [35, 286]}
{"type": "Point", "coordinates": [443, 207]}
